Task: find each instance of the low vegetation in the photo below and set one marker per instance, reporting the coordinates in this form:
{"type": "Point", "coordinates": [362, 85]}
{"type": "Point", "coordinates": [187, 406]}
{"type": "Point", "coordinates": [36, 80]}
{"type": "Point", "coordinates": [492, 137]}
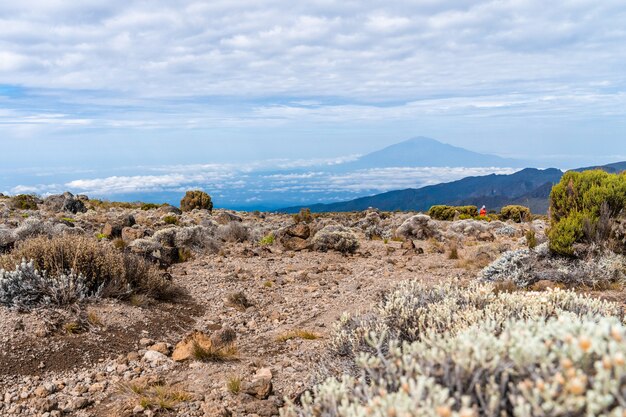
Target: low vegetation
{"type": "Point", "coordinates": [214, 353]}
{"type": "Point", "coordinates": [450, 213]}
{"type": "Point", "coordinates": [517, 214]}
{"type": "Point", "coordinates": [297, 334]}
{"type": "Point", "coordinates": [156, 397]}
{"type": "Point", "coordinates": [77, 267]}
{"type": "Point", "coordinates": [196, 199]}
{"type": "Point", "coordinates": [415, 309]}
{"type": "Point", "coordinates": [586, 207]}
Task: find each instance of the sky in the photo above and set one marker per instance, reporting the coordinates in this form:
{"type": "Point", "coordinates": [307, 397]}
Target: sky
{"type": "Point", "coordinates": [95, 89]}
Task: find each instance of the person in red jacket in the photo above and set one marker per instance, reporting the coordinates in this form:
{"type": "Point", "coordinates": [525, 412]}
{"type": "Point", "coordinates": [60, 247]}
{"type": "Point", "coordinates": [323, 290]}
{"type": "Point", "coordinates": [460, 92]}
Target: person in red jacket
{"type": "Point", "coordinates": [483, 211]}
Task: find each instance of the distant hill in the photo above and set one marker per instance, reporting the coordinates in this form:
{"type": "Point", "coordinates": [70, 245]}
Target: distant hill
{"type": "Point", "coordinates": [427, 152]}
{"type": "Point", "coordinates": [529, 186]}
{"type": "Point", "coordinates": [613, 168]}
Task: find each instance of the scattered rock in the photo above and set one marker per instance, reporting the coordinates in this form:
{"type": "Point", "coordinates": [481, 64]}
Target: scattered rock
{"type": "Point", "coordinates": [155, 358]}
{"type": "Point", "coordinates": [261, 385]}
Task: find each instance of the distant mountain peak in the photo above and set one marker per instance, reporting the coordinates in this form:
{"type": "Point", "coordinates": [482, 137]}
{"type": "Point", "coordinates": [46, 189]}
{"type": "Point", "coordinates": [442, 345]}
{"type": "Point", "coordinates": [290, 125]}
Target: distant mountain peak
{"type": "Point", "coordinates": [421, 151]}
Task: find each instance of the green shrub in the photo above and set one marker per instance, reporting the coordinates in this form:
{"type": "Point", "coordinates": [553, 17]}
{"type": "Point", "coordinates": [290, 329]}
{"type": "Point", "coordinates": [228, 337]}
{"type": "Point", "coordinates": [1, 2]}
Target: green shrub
{"type": "Point", "coordinates": [196, 199]}
{"type": "Point", "coordinates": [582, 207]}
{"type": "Point", "coordinates": [149, 206]}
{"type": "Point", "coordinates": [449, 213]}
{"type": "Point", "coordinates": [531, 239]}
{"type": "Point", "coordinates": [170, 219]}
{"type": "Point", "coordinates": [267, 240]}
{"type": "Point", "coordinates": [25, 202]}
{"type": "Point", "coordinates": [516, 213]}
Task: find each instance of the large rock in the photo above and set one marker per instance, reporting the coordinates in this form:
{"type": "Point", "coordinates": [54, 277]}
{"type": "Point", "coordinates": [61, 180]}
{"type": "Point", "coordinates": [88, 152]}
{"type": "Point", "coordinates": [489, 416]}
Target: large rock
{"type": "Point", "coordinates": [114, 228]}
{"type": "Point", "coordinates": [295, 237]}
{"type": "Point", "coordinates": [225, 218]}
{"type": "Point", "coordinates": [65, 202]}
{"type": "Point", "coordinates": [184, 349]}
{"type": "Point", "coordinates": [261, 384]}
{"type": "Point", "coordinates": [132, 233]}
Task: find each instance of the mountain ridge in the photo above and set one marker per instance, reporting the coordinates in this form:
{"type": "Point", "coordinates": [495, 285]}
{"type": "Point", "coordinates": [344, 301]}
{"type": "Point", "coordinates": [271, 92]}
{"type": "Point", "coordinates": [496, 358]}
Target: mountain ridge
{"type": "Point", "coordinates": [529, 187]}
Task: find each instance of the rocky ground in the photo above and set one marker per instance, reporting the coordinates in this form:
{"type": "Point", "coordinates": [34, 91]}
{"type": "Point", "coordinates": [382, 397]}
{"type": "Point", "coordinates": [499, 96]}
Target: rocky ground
{"type": "Point", "coordinates": [279, 305]}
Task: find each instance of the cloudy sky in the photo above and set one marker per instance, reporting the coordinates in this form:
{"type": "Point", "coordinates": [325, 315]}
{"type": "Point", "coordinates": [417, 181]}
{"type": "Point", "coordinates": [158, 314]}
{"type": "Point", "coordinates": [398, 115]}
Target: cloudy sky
{"type": "Point", "coordinates": [91, 86]}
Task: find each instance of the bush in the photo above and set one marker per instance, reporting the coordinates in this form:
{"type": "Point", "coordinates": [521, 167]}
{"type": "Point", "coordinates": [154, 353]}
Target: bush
{"type": "Point", "coordinates": [531, 239]}
{"type": "Point", "coordinates": [196, 200]}
{"type": "Point", "coordinates": [233, 232]}
{"type": "Point", "coordinates": [419, 227]}
{"type": "Point", "coordinates": [170, 219]}
{"type": "Point", "coordinates": [338, 238]}
{"type": "Point", "coordinates": [304, 216]}
{"type": "Point", "coordinates": [451, 212]}
{"type": "Point", "coordinates": [24, 202]}
{"type": "Point", "coordinates": [25, 287]}
{"type": "Point", "coordinates": [149, 206]}
{"type": "Point", "coordinates": [565, 366]}
{"type": "Point", "coordinates": [582, 206]}
{"type": "Point", "coordinates": [414, 309]}
{"type": "Point", "coordinates": [267, 240]}
{"type": "Point", "coordinates": [516, 213]}
{"type": "Point", "coordinates": [105, 271]}
{"type": "Point", "coordinates": [599, 270]}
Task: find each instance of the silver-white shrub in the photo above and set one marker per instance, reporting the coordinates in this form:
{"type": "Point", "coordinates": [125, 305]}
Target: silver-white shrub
{"type": "Point", "coordinates": [419, 226]}
{"type": "Point", "coordinates": [413, 308]}
{"type": "Point", "coordinates": [525, 267]}
{"type": "Point", "coordinates": [337, 238]}
{"type": "Point", "coordinates": [565, 366]}
{"type": "Point", "coordinates": [26, 287]}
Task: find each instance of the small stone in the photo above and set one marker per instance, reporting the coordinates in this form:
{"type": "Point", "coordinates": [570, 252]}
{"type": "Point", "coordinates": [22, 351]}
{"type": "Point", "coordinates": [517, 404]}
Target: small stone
{"type": "Point", "coordinates": [138, 409]}
{"type": "Point", "coordinates": [155, 357]}
{"type": "Point", "coordinates": [160, 347]}
{"type": "Point", "coordinates": [144, 341]}
{"type": "Point", "coordinates": [79, 403]}
{"type": "Point", "coordinates": [41, 391]}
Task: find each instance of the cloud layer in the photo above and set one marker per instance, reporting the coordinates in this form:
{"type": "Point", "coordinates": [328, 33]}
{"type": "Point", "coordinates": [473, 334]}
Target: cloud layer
{"type": "Point", "coordinates": [238, 185]}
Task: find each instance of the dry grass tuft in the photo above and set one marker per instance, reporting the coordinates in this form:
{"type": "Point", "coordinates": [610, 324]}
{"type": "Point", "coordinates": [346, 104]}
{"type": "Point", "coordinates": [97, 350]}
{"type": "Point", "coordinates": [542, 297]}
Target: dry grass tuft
{"type": "Point", "coordinates": [297, 334]}
{"type": "Point", "coordinates": [94, 319]}
{"type": "Point", "coordinates": [234, 385]}
{"type": "Point", "coordinates": [453, 250]}
{"type": "Point", "coordinates": [72, 327]}
{"type": "Point", "coordinates": [214, 354]}
{"type": "Point", "coordinates": [155, 397]}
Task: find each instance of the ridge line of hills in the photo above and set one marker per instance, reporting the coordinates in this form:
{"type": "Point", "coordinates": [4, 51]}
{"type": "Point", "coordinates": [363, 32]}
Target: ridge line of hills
{"type": "Point", "coordinates": [528, 187]}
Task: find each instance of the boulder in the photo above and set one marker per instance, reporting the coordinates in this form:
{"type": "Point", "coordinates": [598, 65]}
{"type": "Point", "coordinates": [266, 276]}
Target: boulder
{"type": "Point", "coordinates": [261, 384]}
{"type": "Point", "coordinates": [226, 217]}
{"type": "Point", "coordinates": [131, 233]}
{"type": "Point", "coordinates": [295, 237]}
{"type": "Point", "coordinates": [65, 202]}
